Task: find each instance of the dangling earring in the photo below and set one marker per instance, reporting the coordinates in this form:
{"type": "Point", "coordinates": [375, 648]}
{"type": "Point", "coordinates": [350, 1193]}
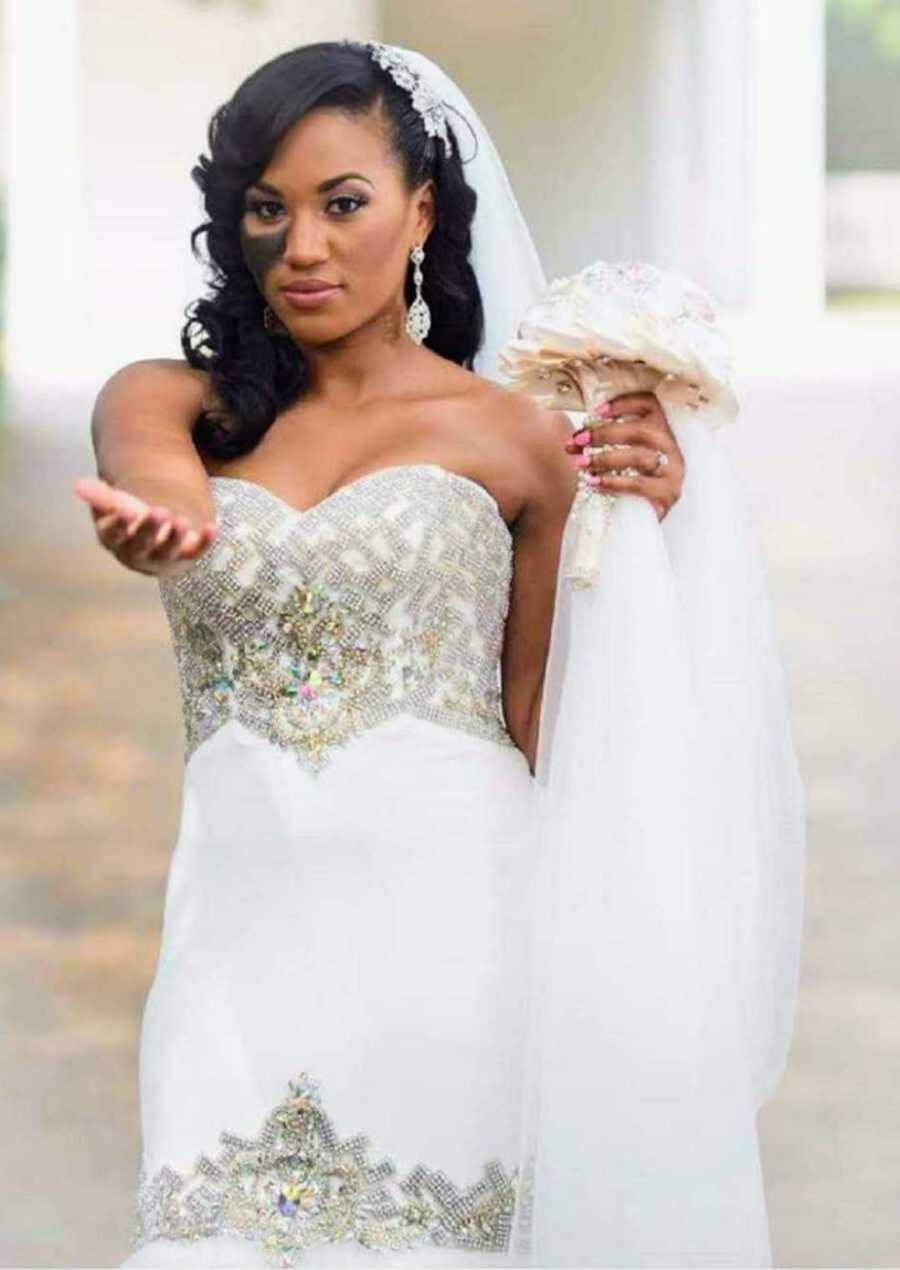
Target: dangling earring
{"type": "Point", "coordinates": [272, 322]}
{"type": "Point", "coordinates": [418, 319]}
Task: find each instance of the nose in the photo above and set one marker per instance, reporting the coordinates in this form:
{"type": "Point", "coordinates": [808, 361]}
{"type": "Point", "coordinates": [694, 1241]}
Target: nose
{"type": "Point", "coordinates": [306, 241]}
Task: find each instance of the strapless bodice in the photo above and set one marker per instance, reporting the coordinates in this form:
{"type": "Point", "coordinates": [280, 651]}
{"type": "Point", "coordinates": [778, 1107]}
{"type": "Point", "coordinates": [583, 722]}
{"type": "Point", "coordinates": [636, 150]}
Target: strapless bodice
{"type": "Point", "coordinates": [309, 627]}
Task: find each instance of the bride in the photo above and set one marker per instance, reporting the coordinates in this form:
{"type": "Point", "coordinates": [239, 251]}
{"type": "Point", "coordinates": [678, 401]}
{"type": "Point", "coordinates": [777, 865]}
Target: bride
{"type": "Point", "coordinates": [382, 1030]}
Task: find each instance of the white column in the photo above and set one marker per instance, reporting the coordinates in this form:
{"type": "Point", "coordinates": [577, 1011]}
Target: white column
{"type": "Point", "coordinates": [698, 88]}
{"type": "Point", "coordinates": [725, 68]}
{"type": "Point", "coordinates": [788, 163]}
{"type": "Point", "coordinates": [44, 319]}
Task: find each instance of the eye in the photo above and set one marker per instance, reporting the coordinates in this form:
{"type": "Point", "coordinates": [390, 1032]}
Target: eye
{"type": "Point", "coordinates": [349, 198]}
{"type": "Point", "coordinates": [258, 206]}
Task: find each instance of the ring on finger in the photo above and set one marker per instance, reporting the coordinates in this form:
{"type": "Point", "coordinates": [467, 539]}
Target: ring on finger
{"type": "Point", "coordinates": [661, 461]}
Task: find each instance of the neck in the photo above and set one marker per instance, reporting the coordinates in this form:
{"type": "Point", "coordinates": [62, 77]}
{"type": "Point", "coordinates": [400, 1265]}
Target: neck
{"type": "Point", "coordinates": [364, 365]}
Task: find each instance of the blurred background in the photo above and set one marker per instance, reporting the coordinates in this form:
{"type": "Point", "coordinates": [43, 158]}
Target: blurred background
{"type": "Point", "coordinates": [752, 144]}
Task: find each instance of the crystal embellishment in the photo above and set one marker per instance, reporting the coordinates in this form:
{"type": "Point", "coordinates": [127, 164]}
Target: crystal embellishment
{"type": "Point", "coordinates": [390, 596]}
{"type": "Point", "coordinates": [424, 98]}
{"type": "Point", "coordinates": [297, 1185]}
{"type": "Point", "coordinates": [418, 319]}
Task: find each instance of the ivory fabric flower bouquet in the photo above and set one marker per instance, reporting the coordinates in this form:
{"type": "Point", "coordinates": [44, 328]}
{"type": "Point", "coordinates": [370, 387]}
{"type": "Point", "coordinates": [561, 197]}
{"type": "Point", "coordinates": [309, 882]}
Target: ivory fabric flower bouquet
{"type": "Point", "coordinates": [612, 328]}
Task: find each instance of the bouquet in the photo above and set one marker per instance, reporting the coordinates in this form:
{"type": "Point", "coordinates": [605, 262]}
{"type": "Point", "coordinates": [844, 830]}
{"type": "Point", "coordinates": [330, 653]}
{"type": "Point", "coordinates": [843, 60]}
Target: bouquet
{"type": "Point", "coordinates": [614, 328]}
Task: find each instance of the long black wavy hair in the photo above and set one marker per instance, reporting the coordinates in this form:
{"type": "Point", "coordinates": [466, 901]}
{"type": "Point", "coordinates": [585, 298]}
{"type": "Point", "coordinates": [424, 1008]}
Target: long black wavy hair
{"type": "Point", "coordinates": [255, 375]}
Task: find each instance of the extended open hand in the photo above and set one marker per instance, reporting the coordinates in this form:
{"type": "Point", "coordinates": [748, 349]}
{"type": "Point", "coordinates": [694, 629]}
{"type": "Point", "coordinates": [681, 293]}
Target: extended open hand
{"type": "Point", "coordinates": [145, 537]}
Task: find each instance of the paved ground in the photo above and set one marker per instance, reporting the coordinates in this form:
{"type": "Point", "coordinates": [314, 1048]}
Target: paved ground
{"type": "Point", "coordinates": [90, 740]}
{"type": "Point", "coordinates": [826, 489]}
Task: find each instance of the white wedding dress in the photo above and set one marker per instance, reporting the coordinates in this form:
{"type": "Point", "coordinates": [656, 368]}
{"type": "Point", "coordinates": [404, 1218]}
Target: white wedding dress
{"type": "Point", "coordinates": [332, 1047]}
{"type": "Point", "coordinates": [414, 1005]}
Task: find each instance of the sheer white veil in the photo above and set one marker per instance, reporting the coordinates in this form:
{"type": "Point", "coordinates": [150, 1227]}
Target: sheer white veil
{"type": "Point", "coordinates": [504, 257]}
{"type": "Point", "coordinates": [669, 894]}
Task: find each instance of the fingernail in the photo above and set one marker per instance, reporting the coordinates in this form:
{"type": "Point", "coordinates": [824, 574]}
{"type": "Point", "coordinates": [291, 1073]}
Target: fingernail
{"type": "Point", "coordinates": [582, 437]}
{"type": "Point", "coordinates": [594, 478]}
{"type": "Point", "coordinates": [604, 409]}
{"type": "Point", "coordinates": [582, 460]}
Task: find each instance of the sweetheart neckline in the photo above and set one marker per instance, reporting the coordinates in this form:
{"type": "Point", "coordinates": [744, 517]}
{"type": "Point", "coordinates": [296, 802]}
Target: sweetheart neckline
{"type": "Point", "coordinates": [300, 513]}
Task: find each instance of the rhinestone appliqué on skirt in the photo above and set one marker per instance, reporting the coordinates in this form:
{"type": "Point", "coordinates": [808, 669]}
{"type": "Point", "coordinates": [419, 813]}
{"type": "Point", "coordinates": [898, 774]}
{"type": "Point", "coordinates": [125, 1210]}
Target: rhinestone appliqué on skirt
{"type": "Point", "coordinates": [297, 1184]}
{"type": "Point", "coordinates": [310, 626]}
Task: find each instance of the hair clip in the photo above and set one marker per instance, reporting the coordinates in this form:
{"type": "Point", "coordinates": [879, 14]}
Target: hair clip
{"type": "Point", "coordinates": [424, 98]}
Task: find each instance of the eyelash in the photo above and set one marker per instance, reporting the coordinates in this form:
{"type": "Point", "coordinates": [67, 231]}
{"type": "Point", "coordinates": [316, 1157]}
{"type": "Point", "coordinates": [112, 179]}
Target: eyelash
{"type": "Point", "coordinates": [340, 198]}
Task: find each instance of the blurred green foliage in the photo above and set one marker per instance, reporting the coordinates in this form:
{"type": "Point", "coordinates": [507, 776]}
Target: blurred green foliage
{"type": "Point", "coordinates": [862, 85]}
{"type": "Point", "coordinates": [864, 298]}
{"type": "Point", "coordinates": [879, 18]}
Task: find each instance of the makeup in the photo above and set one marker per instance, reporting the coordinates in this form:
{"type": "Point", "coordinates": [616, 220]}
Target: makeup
{"type": "Point", "coordinates": [309, 299]}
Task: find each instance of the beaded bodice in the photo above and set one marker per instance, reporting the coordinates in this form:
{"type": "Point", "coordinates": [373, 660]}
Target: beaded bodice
{"type": "Point", "coordinates": [310, 626]}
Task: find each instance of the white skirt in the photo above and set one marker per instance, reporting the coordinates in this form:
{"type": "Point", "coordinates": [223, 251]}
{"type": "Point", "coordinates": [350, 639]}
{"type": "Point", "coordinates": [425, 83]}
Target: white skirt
{"type": "Point", "coordinates": [365, 929]}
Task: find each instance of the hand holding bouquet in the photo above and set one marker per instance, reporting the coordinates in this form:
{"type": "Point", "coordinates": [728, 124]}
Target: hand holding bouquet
{"type": "Point", "coordinates": [615, 329]}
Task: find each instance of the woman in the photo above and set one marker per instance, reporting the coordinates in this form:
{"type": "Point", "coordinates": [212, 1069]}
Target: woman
{"type": "Point", "coordinates": [357, 536]}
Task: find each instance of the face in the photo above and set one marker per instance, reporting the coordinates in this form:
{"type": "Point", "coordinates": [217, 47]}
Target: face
{"type": "Point", "coordinates": [307, 218]}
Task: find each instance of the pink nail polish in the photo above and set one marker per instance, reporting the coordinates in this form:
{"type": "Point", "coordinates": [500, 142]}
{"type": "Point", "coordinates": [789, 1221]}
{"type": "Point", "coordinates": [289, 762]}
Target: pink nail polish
{"type": "Point", "coordinates": [604, 409]}
{"type": "Point", "coordinates": [582, 460]}
{"type": "Point", "coordinates": [582, 437]}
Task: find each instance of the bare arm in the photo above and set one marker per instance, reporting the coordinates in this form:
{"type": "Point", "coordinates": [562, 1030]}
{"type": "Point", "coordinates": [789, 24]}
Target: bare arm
{"type": "Point", "coordinates": [141, 432]}
{"type": "Point", "coordinates": [151, 500]}
{"type": "Point", "coordinates": [552, 481]}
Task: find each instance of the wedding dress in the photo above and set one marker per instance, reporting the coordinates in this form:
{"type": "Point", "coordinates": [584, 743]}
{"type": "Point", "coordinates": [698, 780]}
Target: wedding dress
{"type": "Point", "coordinates": [414, 1005]}
{"type": "Point", "coordinates": [348, 895]}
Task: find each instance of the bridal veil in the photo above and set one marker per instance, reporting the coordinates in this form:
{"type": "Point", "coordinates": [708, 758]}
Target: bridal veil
{"type": "Point", "coordinates": [668, 901]}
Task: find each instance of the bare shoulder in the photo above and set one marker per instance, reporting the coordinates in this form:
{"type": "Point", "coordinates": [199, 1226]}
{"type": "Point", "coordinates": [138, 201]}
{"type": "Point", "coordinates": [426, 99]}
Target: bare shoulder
{"type": "Point", "coordinates": [161, 380]}
{"type": "Point", "coordinates": [145, 413]}
{"type": "Point", "coordinates": [542, 479]}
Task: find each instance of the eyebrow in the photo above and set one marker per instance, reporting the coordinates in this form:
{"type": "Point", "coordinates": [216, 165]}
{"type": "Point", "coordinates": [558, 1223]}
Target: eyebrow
{"type": "Point", "coordinates": [323, 188]}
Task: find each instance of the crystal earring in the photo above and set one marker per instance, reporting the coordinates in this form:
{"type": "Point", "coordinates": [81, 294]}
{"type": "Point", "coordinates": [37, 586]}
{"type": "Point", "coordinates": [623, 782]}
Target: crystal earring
{"type": "Point", "coordinates": [418, 319]}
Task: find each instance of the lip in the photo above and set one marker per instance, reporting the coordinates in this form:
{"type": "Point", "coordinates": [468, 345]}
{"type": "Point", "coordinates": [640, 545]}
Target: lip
{"type": "Point", "coordinates": [308, 299]}
{"type": "Point", "coordinates": [308, 284]}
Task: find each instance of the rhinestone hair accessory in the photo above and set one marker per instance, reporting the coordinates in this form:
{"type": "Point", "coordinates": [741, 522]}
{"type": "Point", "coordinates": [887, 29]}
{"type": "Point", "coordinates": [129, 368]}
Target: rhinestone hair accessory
{"type": "Point", "coordinates": [424, 99]}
